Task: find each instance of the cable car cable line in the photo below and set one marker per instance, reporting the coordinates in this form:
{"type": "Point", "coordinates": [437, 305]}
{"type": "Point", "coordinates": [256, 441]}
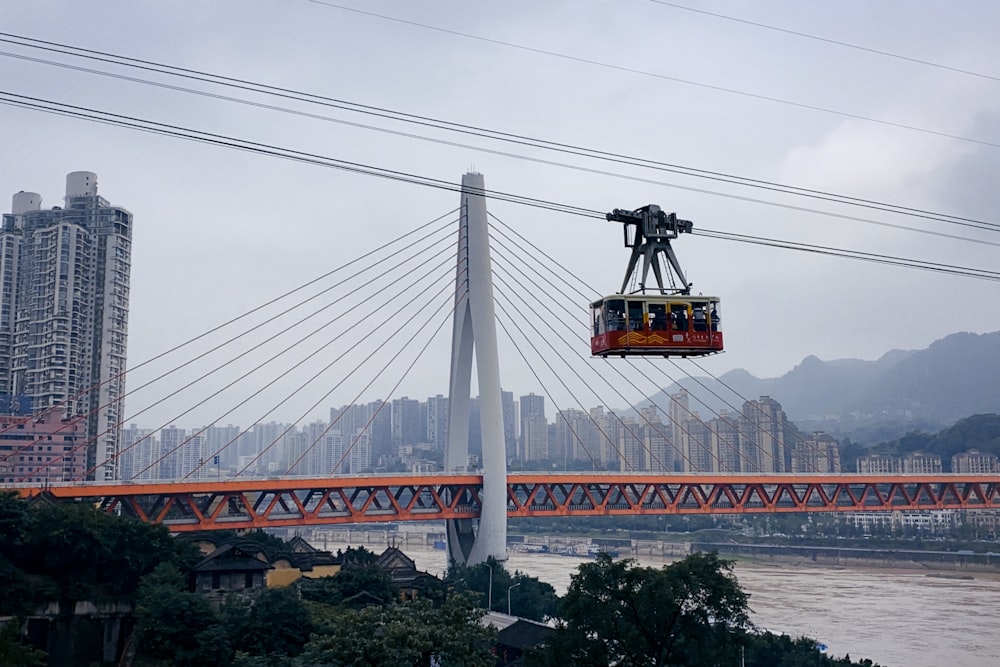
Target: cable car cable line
{"type": "Point", "coordinates": [464, 129]}
{"type": "Point", "coordinates": [665, 77]}
{"type": "Point", "coordinates": [353, 167]}
{"type": "Point", "coordinates": [828, 40]}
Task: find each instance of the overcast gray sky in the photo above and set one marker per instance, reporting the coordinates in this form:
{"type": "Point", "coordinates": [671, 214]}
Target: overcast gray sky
{"type": "Point", "coordinates": [219, 231]}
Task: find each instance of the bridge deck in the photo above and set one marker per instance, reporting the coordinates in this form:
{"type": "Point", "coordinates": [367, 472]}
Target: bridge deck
{"type": "Point", "coordinates": [259, 503]}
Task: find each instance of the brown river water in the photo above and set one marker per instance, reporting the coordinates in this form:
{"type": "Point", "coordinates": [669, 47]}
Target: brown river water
{"type": "Point", "coordinates": [898, 618]}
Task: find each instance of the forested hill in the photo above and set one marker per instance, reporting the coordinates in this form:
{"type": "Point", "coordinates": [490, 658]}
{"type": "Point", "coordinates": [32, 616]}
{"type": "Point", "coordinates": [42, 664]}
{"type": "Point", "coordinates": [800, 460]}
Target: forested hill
{"type": "Point", "coordinates": [954, 377]}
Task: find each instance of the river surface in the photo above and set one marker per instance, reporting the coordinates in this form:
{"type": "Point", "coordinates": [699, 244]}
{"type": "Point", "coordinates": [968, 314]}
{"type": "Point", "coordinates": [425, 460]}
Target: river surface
{"type": "Point", "coordinates": [896, 618]}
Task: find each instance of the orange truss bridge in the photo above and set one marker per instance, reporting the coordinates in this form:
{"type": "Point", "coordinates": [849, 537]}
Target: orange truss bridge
{"type": "Point", "coordinates": [198, 506]}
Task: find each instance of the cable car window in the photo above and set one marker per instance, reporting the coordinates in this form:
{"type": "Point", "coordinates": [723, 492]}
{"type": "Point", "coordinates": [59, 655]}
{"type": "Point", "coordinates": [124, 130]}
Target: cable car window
{"type": "Point", "coordinates": [658, 316]}
{"type": "Point", "coordinates": [597, 313]}
{"type": "Point", "coordinates": [714, 317]}
{"type": "Point", "coordinates": [700, 317]}
{"type": "Point", "coordinates": [635, 320]}
{"type": "Point", "coordinates": [614, 313]}
{"type": "Point", "coordinates": [678, 317]}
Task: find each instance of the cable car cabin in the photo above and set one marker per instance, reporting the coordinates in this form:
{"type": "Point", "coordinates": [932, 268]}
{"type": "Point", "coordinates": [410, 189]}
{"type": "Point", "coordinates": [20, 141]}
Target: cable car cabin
{"type": "Point", "coordinates": [656, 325]}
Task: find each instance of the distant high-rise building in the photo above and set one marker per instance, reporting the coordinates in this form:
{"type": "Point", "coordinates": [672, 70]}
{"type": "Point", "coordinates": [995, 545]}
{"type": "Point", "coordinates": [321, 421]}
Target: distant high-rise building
{"type": "Point", "coordinates": [974, 462]}
{"type": "Point", "coordinates": [820, 453]}
{"type": "Point", "coordinates": [763, 427]}
{"type": "Point", "coordinates": [920, 463]}
{"type": "Point", "coordinates": [407, 426]}
{"type": "Point", "coordinates": [696, 444]}
{"type": "Point", "coordinates": [534, 428]}
{"type": "Point", "coordinates": [64, 303]}
{"type": "Point", "coordinates": [725, 442]}
{"type": "Point", "coordinates": [877, 464]}
{"type": "Point", "coordinates": [658, 445]}
{"type": "Point", "coordinates": [437, 421]}
{"type": "Point", "coordinates": [632, 445]}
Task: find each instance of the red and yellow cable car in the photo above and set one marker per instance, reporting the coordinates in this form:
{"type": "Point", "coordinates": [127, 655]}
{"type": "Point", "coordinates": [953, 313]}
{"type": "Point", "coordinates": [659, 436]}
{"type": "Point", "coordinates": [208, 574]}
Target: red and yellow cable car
{"type": "Point", "coordinates": [669, 321]}
{"type": "Point", "coordinates": [668, 325]}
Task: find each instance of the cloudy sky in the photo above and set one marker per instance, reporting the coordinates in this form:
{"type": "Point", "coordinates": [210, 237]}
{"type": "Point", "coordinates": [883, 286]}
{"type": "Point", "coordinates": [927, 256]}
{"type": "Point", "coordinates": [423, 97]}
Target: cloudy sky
{"type": "Point", "coordinates": [219, 231]}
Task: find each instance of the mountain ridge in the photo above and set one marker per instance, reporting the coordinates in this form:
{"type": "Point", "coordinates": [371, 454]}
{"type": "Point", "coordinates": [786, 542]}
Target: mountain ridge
{"type": "Point", "coordinates": [932, 388]}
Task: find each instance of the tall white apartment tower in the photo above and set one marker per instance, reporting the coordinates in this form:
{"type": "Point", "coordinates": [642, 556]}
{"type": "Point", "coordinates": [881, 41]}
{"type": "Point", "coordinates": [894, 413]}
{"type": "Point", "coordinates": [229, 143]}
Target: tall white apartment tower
{"type": "Point", "coordinates": [64, 293]}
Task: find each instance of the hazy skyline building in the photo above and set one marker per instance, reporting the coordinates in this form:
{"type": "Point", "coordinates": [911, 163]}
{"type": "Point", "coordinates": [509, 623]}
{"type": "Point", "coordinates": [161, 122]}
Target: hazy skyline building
{"type": "Point", "coordinates": [64, 303]}
{"type": "Point", "coordinates": [534, 428]}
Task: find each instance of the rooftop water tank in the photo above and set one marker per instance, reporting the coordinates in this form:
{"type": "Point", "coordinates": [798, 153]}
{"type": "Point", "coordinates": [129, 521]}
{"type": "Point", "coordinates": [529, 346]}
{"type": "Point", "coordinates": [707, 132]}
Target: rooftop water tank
{"type": "Point", "coordinates": [26, 201]}
{"type": "Point", "coordinates": [81, 183]}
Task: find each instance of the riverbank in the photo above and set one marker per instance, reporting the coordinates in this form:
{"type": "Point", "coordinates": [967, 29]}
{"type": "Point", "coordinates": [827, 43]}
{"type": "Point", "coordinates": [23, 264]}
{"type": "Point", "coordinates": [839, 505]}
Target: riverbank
{"type": "Point", "coordinates": [903, 560]}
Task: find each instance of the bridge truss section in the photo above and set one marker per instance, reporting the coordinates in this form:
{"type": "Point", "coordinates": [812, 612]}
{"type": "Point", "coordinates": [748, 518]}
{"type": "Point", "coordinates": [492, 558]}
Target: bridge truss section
{"type": "Point", "coordinates": [242, 504]}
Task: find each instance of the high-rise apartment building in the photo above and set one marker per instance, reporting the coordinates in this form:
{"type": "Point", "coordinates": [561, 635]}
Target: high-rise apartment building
{"type": "Point", "coordinates": [820, 453]}
{"type": "Point", "coordinates": [763, 427]}
{"type": "Point", "coordinates": [64, 295]}
{"type": "Point", "coordinates": [534, 429]}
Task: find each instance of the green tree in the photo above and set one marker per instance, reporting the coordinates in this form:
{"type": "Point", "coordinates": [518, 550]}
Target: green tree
{"type": "Point", "coordinates": [276, 623]}
{"type": "Point", "coordinates": [350, 581]}
{"type": "Point", "coordinates": [14, 652]}
{"type": "Point", "coordinates": [529, 597]}
{"type": "Point", "coordinates": [410, 634]}
{"type": "Point", "coordinates": [616, 612]}
{"type": "Point", "coordinates": [177, 627]}
{"type": "Point", "coordinates": [771, 650]}
{"type": "Point", "coordinates": [75, 552]}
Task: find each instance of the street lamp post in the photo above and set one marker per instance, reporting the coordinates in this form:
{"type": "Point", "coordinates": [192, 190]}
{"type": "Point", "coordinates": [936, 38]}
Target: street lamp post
{"type": "Point", "coordinates": [508, 596]}
{"type": "Point", "coordinates": [489, 604]}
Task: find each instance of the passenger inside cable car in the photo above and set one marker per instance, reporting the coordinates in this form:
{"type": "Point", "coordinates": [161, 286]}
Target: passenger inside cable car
{"type": "Point", "coordinates": [656, 325]}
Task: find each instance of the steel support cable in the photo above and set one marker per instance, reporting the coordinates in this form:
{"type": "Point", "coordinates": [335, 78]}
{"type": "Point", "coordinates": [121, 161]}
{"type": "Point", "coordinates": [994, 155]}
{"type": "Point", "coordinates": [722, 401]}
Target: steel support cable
{"type": "Point", "coordinates": [537, 315]}
{"type": "Point", "coordinates": [737, 411]}
{"type": "Point", "coordinates": [282, 375]}
{"type": "Point", "coordinates": [694, 416]}
{"type": "Point", "coordinates": [399, 116]}
{"type": "Point", "coordinates": [275, 151]}
{"type": "Point", "coordinates": [671, 419]}
{"type": "Point", "coordinates": [92, 439]}
{"type": "Point", "coordinates": [392, 392]}
{"type": "Point", "coordinates": [800, 440]}
{"type": "Point", "coordinates": [513, 305]}
{"type": "Point", "coordinates": [828, 40]}
{"type": "Point", "coordinates": [307, 383]}
{"type": "Point", "coordinates": [556, 288]}
{"type": "Point", "coordinates": [250, 350]}
{"type": "Point", "coordinates": [500, 196]}
{"type": "Point", "coordinates": [597, 463]}
{"type": "Point", "coordinates": [233, 321]}
{"type": "Point", "coordinates": [525, 251]}
{"type": "Point", "coordinates": [354, 370]}
{"type": "Point", "coordinates": [504, 229]}
{"type": "Point", "coordinates": [239, 356]}
{"type": "Point", "coordinates": [601, 172]}
{"type": "Point", "coordinates": [569, 391]}
{"type": "Point", "coordinates": [664, 77]}
{"type": "Point", "coordinates": [232, 383]}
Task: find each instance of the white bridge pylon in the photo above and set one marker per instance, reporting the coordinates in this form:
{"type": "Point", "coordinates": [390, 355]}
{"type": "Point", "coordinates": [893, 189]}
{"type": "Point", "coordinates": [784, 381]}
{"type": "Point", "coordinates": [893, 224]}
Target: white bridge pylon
{"type": "Point", "coordinates": [475, 330]}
